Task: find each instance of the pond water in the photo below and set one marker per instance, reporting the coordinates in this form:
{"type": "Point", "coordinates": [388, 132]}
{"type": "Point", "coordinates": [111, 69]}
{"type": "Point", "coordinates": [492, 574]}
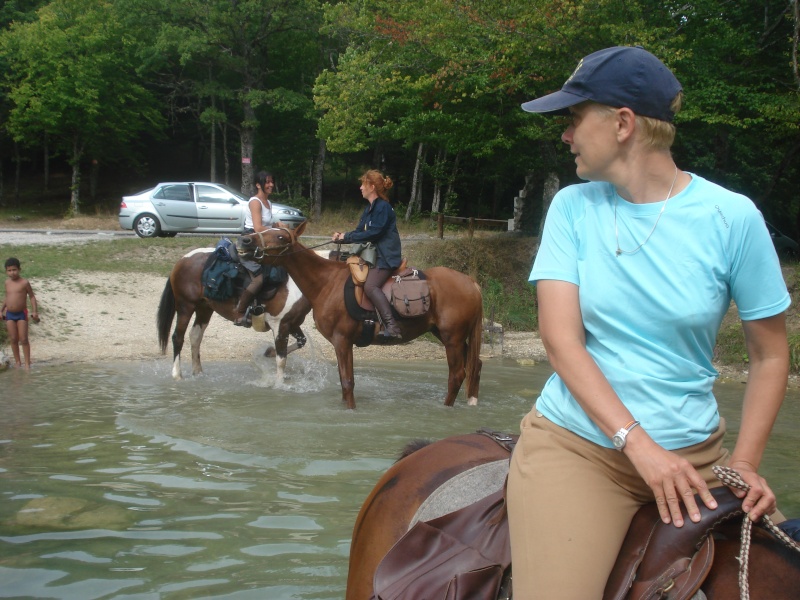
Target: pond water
{"type": "Point", "coordinates": [118, 482]}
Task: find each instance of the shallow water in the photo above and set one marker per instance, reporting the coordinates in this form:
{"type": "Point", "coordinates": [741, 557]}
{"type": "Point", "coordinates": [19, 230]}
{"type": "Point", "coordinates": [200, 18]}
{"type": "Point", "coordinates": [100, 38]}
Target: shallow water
{"type": "Point", "coordinates": [118, 482]}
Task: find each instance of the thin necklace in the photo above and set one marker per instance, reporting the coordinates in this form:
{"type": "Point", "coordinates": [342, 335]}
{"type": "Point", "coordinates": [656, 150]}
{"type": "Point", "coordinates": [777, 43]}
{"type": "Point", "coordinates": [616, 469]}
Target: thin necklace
{"type": "Point", "coordinates": [661, 212]}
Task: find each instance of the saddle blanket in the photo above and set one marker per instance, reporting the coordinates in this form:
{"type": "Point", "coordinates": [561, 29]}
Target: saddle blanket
{"type": "Point", "coordinates": [462, 490]}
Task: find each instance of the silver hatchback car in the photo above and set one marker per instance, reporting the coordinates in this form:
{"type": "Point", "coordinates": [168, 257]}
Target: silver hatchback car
{"type": "Point", "coordinates": [193, 207]}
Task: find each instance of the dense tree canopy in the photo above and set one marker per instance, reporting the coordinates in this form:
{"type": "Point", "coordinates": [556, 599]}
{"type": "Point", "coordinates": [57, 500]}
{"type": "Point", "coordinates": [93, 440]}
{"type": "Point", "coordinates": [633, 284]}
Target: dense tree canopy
{"type": "Point", "coordinates": [427, 90]}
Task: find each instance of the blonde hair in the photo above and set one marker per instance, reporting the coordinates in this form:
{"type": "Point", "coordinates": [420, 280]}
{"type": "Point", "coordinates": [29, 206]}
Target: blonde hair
{"type": "Point", "coordinates": [655, 133]}
{"type": "Point", "coordinates": [375, 178]}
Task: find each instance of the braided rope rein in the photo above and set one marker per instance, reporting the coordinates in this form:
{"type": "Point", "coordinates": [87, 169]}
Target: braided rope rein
{"type": "Point", "coordinates": [731, 478]}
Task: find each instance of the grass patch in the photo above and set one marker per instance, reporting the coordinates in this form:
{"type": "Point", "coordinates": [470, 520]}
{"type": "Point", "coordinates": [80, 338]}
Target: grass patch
{"type": "Point", "coordinates": [119, 255]}
{"type": "Point", "coordinates": [500, 263]}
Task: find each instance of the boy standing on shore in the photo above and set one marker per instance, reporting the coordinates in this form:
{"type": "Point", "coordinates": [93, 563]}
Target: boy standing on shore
{"type": "Point", "coordinates": [15, 311]}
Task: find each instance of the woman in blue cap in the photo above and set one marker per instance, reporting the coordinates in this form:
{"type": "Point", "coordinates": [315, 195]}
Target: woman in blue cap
{"type": "Point", "coordinates": [635, 271]}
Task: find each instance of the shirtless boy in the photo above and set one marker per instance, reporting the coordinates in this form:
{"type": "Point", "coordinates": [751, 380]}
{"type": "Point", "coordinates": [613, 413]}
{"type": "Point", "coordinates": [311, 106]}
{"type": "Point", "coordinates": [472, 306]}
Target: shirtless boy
{"type": "Point", "coordinates": [15, 311]}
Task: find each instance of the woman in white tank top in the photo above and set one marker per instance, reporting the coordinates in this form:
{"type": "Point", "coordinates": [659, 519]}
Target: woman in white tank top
{"type": "Point", "coordinates": [257, 218]}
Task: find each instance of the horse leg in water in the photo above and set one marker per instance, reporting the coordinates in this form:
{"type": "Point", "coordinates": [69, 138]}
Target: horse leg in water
{"type": "Point", "coordinates": [344, 359]}
{"type": "Point", "coordinates": [462, 360]}
{"type": "Point", "coordinates": [455, 349]}
{"type": "Point", "coordinates": [202, 317]}
{"type": "Point", "coordinates": [282, 347]}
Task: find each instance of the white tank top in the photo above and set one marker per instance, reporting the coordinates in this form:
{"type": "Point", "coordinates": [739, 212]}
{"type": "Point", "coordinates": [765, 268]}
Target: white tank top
{"type": "Point", "coordinates": [266, 214]}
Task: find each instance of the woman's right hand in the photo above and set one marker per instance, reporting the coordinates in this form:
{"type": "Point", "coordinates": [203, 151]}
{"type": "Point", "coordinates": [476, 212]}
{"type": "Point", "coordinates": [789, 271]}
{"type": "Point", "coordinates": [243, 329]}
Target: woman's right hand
{"type": "Point", "coordinates": [672, 478]}
{"type": "Point", "coordinates": [337, 236]}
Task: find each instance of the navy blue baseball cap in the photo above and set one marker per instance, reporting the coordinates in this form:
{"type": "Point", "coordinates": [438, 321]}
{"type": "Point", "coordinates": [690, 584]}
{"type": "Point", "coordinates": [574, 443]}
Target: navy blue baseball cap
{"type": "Point", "coordinates": [622, 77]}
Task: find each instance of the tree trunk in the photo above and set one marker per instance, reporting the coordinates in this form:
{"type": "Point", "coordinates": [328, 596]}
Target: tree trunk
{"type": "Point", "coordinates": [519, 201]}
{"type": "Point", "coordinates": [17, 173]}
{"type": "Point", "coordinates": [74, 200]}
{"type": "Point", "coordinates": [796, 41]}
{"type": "Point", "coordinates": [247, 135]}
{"type": "Point", "coordinates": [94, 174]}
{"type": "Point", "coordinates": [441, 157]}
{"type": "Point", "coordinates": [416, 183]}
{"type": "Point", "coordinates": [447, 195]}
{"type": "Point", "coordinates": [226, 161]}
{"type": "Point", "coordinates": [316, 181]}
{"type": "Point", "coordinates": [550, 189]}
{"type": "Point", "coordinates": [212, 168]}
{"type": "Point", "coordinates": [46, 161]}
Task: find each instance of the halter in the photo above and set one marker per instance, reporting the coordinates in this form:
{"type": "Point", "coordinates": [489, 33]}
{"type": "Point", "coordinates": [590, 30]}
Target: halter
{"type": "Point", "coordinates": [261, 250]}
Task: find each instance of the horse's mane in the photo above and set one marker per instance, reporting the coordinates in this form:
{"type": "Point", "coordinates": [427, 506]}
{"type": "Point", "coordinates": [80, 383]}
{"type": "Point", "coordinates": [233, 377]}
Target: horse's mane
{"type": "Point", "coordinates": [412, 447]}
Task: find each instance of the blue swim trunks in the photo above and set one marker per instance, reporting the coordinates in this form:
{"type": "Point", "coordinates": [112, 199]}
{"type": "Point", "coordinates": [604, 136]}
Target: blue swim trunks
{"type": "Point", "coordinates": [21, 315]}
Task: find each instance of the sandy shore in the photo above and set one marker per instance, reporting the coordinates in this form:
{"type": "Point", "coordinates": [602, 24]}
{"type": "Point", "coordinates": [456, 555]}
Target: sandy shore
{"type": "Point", "coordinates": [92, 317]}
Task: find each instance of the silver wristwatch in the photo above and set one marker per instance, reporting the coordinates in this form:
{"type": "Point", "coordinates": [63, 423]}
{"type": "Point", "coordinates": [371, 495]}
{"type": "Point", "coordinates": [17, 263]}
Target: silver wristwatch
{"type": "Point", "coordinates": [620, 438]}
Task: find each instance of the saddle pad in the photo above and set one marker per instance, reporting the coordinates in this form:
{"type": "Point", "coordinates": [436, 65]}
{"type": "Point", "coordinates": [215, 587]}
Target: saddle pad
{"type": "Point", "coordinates": [462, 490]}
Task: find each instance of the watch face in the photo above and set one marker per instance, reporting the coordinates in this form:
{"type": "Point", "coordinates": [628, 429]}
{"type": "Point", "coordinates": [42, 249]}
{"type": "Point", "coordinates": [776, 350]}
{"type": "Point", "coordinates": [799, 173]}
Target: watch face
{"type": "Point", "coordinates": [618, 441]}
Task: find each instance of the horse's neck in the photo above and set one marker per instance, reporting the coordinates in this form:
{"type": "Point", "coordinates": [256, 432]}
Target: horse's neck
{"type": "Point", "coordinates": [312, 273]}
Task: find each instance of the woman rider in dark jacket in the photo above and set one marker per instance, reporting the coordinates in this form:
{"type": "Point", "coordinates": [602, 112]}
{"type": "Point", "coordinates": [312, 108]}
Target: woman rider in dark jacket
{"type": "Point", "coordinates": [378, 225]}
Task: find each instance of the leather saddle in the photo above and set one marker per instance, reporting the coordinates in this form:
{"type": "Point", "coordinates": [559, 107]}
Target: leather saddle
{"type": "Point", "coordinates": [359, 269]}
{"type": "Point", "coordinates": [467, 554]}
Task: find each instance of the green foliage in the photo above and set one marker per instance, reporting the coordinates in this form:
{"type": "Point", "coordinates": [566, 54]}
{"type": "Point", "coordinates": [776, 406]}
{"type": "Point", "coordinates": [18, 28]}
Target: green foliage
{"type": "Point", "coordinates": [375, 78]}
{"type": "Point", "coordinates": [72, 78]}
{"type": "Point", "coordinates": [731, 348]}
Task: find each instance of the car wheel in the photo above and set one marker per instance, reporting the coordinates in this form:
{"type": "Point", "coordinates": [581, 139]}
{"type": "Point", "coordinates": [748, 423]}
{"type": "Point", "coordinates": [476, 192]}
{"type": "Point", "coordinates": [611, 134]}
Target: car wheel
{"type": "Point", "coordinates": [146, 226]}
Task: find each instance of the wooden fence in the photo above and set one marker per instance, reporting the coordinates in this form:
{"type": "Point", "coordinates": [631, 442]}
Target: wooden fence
{"type": "Point", "coordinates": [472, 223]}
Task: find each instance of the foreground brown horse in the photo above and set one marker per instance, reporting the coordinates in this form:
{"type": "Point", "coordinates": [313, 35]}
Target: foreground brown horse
{"type": "Point", "coordinates": [388, 510]}
{"type": "Point", "coordinates": [183, 294]}
{"type": "Point", "coordinates": [455, 315]}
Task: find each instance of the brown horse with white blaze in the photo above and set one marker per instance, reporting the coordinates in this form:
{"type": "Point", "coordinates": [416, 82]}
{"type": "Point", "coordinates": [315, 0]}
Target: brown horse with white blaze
{"type": "Point", "coordinates": [455, 316]}
{"type": "Point", "coordinates": [183, 295]}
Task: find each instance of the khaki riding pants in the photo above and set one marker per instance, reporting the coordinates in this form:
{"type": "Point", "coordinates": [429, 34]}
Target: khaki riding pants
{"type": "Point", "coordinates": [570, 503]}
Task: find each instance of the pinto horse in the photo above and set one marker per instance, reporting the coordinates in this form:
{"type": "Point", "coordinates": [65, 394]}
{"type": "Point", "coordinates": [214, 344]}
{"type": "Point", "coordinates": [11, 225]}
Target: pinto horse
{"type": "Point", "coordinates": [389, 509]}
{"type": "Point", "coordinates": [183, 294]}
{"type": "Point", "coordinates": [455, 316]}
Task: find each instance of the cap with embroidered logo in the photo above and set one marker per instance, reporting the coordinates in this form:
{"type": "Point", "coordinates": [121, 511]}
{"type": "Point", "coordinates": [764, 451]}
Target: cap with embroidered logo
{"type": "Point", "coordinates": [622, 77]}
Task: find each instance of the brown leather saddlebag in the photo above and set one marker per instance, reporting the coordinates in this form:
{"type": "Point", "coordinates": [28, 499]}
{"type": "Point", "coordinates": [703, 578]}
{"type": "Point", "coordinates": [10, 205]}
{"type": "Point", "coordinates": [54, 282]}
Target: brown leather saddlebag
{"type": "Point", "coordinates": [411, 296]}
{"type": "Point", "coordinates": [459, 556]}
{"type": "Point", "coordinates": [358, 269]}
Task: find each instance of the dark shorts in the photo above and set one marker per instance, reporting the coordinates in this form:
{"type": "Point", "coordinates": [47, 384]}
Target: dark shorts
{"type": "Point", "coordinates": [16, 316]}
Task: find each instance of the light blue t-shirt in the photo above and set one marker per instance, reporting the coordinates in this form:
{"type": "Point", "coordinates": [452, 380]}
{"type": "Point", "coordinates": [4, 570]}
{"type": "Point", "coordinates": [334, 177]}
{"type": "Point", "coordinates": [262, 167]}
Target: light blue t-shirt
{"type": "Point", "coordinates": [652, 317]}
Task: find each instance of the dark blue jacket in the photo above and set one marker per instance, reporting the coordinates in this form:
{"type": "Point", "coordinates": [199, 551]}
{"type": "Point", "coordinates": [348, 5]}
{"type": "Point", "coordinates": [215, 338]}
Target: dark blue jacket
{"type": "Point", "coordinates": [378, 225]}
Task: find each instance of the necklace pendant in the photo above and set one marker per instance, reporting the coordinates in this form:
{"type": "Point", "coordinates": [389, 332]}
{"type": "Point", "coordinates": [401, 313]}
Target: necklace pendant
{"type": "Point", "coordinates": [618, 252]}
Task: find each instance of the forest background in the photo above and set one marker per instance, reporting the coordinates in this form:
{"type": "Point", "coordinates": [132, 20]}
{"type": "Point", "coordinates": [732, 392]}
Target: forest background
{"type": "Point", "coordinates": [101, 98]}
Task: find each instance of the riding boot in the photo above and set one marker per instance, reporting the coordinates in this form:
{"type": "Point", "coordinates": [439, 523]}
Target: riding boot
{"type": "Point", "coordinates": [244, 300]}
{"type": "Point", "coordinates": [390, 328]}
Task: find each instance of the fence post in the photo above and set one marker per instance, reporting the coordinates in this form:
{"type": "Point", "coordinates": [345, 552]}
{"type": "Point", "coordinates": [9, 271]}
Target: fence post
{"type": "Point", "coordinates": [440, 225]}
{"type": "Point", "coordinates": [471, 227]}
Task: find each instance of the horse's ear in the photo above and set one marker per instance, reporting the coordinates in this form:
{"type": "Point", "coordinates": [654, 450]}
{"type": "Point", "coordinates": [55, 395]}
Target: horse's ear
{"type": "Point", "coordinates": [299, 229]}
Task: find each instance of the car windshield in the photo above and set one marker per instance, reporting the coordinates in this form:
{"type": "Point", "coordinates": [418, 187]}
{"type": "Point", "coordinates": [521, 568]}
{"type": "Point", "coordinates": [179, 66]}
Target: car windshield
{"type": "Point", "coordinates": [236, 193]}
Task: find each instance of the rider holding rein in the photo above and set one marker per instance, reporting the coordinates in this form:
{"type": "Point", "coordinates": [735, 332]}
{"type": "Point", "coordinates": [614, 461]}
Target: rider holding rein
{"type": "Point", "coordinates": [257, 218]}
{"type": "Point", "coordinates": [636, 269]}
{"type": "Point", "coordinates": [378, 225]}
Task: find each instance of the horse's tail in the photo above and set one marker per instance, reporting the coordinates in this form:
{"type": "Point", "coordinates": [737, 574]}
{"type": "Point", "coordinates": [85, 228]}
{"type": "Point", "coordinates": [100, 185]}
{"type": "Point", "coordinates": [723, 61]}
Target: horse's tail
{"type": "Point", "coordinates": [473, 370]}
{"type": "Point", "coordinates": [166, 313]}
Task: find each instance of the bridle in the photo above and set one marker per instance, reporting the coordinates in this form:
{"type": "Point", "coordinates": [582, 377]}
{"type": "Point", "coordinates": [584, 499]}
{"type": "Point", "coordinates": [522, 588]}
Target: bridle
{"type": "Point", "coordinates": [263, 250]}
